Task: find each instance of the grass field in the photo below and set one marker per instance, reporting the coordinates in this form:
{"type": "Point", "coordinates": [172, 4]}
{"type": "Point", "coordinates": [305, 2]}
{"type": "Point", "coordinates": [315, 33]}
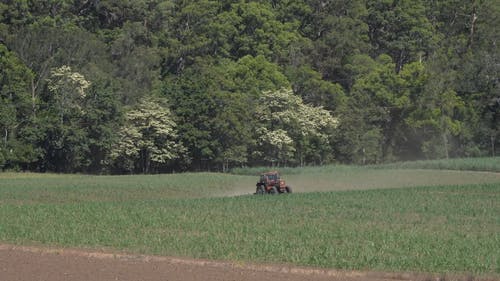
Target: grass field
{"type": "Point", "coordinates": [485, 164]}
{"type": "Point", "coordinates": [51, 188]}
{"type": "Point", "coordinates": [491, 164]}
{"type": "Point", "coordinates": [454, 228]}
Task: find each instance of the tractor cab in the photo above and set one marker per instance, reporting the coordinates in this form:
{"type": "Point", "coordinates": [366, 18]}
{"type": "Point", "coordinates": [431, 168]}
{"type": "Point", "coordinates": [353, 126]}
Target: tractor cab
{"type": "Point", "coordinates": [270, 178]}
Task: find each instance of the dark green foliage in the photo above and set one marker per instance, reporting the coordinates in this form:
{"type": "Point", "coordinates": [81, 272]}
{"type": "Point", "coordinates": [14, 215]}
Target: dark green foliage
{"type": "Point", "coordinates": [400, 29]}
{"type": "Point", "coordinates": [16, 112]}
{"type": "Point", "coordinates": [101, 122]}
{"type": "Point", "coordinates": [406, 79]}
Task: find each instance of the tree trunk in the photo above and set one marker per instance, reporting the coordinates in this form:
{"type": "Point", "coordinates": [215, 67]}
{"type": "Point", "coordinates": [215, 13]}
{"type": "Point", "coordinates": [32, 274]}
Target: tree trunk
{"type": "Point", "coordinates": [33, 96]}
{"type": "Point", "coordinates": [445, 144]}
{"type": "Point", "coordinates": [145, 162]}
{"type": "Point", "coordinates": [400, 61]}
{"type": "Point", "coordinates": [493, 140]}
{"type": "Point", "coordinates": [5, 138]}
{"type": "Point", "coordinates": [472, 27]}
{"type": "Point", "coordinates": [225, 165]}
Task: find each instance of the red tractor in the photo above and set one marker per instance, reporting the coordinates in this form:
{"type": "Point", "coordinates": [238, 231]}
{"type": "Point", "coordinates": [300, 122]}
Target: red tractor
{"type": "Point", "coordinates": [271, 183]}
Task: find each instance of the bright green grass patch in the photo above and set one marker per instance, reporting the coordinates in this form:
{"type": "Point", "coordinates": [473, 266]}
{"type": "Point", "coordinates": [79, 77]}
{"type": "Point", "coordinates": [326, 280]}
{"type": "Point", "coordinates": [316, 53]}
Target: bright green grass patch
{"type": "Point", "coordinates": [326, 169]}
{"type": "Point", "coordinates": [489, 164]}
{"type": "Point", "coordinates": [369, 178]}
{"type": "Point", "coordinates": [429, 229]}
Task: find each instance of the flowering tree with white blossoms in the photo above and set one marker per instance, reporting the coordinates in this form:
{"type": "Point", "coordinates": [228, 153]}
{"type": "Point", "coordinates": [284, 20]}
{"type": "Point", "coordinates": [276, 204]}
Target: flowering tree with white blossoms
{"type": "Point", "coordinates": [289, 129]}
{"type": "Point", "coordinates": [148, 139]}
{"type": "Point", "coordinates": [68, 88]}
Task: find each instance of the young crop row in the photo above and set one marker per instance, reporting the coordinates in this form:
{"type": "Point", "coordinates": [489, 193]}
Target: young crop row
{"type": "Point", "coordinates": [429, 229]}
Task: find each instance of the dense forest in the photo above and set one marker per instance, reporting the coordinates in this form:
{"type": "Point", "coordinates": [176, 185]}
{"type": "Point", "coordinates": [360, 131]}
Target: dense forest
{"type": "Point", "coordinates": [148, 86]}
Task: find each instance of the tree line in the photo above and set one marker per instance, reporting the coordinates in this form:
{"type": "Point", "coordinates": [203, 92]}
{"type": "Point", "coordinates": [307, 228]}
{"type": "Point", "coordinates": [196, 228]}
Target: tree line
{"type": "Point", "coordinates": [150, 86]}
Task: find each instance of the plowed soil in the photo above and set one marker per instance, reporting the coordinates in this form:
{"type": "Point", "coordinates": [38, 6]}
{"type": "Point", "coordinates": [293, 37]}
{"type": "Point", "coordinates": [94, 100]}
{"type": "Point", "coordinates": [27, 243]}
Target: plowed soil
{"type": "Point", "coordinates": [37, 263]}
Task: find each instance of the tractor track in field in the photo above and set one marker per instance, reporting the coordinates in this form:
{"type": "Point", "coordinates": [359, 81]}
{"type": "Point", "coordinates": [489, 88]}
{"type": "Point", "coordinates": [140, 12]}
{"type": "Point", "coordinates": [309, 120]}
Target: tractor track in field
{"type": "Point", "coordinates": [28, 263]}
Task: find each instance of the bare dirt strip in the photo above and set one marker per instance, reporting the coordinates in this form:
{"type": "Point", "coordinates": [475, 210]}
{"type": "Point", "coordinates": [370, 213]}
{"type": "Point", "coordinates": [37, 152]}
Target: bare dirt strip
{"type": "Point", "coordinates": [21, 263]}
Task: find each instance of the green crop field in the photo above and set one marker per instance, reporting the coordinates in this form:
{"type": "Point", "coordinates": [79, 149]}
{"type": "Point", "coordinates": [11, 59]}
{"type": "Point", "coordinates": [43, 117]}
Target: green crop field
{"type": "Point", "coordinates": [361, 220]}
{"type": "Point", "coordinates": [471, 164]}
{"type": "Point", "coordinates": [52, 188]}
{"type": "Point", "coordinates": [485, 164]}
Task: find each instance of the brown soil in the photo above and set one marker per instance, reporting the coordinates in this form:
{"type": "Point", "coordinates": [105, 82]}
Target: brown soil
{"type": "Point", "coordinates": [20, 263]}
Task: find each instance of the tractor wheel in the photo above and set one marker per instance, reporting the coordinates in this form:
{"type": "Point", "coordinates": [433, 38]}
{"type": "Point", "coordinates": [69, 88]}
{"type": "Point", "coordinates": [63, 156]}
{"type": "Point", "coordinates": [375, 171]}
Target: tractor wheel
{"type": "Point", "coordinates": [260, 190]}
{"type": "Point", "coordinates": [288, 189]}
{"type": "Point", "coordinates": [274, 190]}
